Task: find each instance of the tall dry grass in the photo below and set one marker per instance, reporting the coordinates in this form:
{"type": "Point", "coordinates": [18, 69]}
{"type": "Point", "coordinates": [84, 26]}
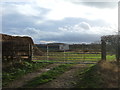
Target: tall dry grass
{"type": "Point", "coordinates": [109, 73]}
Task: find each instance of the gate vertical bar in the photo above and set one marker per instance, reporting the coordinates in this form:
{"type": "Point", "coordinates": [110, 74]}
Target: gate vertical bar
{"type": "Point", "coordinates": [30, 52]}
{"type": "Point", "coordinates": [64, 55]}
{"type": "Point", "coordinates": [47, 53]}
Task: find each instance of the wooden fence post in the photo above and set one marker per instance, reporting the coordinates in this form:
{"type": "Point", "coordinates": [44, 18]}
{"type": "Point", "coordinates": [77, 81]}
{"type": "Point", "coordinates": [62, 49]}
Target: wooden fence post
{"type": "Point", "coordinates": [118, 49]}
{"type": "Point", "coordinates": [103, 49]}
{"type": "Point", "coordinates": [30, 52]}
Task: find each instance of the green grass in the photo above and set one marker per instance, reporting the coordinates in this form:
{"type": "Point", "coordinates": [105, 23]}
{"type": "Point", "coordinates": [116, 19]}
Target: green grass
{"type": "Point", "coordinates": [47, 76]}
{"type": "Point", "coordinates": [72, 57]}
{"type": "Point", "coordinates": [18, 70]}
{"type": "Point", "coordinates": [67, 56]}
{"type": "Point", "coordinates": [89, 78]}
{"type": "Point", "coordinates": [111, 57]}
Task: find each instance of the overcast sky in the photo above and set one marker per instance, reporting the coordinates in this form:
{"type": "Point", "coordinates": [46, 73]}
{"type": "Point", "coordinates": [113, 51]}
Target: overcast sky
{"type": "Point", "coordinates": [67, 21]}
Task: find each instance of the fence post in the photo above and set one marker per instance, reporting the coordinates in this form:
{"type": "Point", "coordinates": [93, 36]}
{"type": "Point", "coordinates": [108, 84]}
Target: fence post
{"type": "Point", "coordinates": [103, 49]}
{"type": "Point", "coordinates": [118, 49]}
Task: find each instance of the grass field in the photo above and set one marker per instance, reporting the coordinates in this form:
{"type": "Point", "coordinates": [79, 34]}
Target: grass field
{"type": "Point", "coordinates": [71, 57]}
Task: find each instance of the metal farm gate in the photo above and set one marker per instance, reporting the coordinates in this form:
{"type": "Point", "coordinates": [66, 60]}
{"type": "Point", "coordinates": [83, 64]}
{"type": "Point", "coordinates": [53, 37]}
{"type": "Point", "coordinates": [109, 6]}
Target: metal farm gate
{"type": "Point", "coordinates": [73, 53]}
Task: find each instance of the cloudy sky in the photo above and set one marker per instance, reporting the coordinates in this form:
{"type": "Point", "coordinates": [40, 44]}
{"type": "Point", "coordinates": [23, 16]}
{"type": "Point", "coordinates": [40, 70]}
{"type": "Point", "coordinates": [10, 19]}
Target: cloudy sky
{"type": "Point", "coordinates": [67, 21]}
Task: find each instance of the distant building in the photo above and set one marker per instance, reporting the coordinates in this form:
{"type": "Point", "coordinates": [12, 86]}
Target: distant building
{"type": "Point", "coordinates": [64, 47]}
{"type": "Point", "coordinates": [54, 46]}
{"type": "Point", "coordinates": [59, 46]}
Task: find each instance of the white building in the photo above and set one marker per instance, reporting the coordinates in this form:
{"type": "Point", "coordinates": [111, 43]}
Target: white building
{"type": "Point", "coordinates": [64, 47]}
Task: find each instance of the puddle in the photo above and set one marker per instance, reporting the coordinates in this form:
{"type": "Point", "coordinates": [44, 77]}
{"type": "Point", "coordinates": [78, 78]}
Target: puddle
{"type": "Point", "coordinates": [47, 69]}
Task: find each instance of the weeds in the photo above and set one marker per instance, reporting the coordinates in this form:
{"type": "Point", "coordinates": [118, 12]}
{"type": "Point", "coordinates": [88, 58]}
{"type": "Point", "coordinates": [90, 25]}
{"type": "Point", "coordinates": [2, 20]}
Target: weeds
{"type": "Point", "coordinates": [89, 78]}
{"type": "Point", "coordinates": [48, 76]}
{"type": "Point", "coordinates": [16, 71]}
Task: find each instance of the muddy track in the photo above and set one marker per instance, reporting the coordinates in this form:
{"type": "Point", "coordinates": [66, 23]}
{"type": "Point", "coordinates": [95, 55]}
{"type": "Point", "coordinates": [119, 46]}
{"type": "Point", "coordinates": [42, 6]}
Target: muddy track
{"type": "Point", "coordinates": [67, 80]}
{"type": "Point", "coordinates": [24, 79]}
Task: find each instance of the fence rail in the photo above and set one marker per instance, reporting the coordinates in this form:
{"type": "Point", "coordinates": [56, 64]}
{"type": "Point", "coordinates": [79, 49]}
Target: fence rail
{"type": "Point", "coordinates": [73, 55]}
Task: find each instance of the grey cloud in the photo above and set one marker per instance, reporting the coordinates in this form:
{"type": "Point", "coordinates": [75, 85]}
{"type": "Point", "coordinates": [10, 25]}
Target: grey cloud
{"type": "Point", "coordinates": [13, 19]}
{"type": "Point", "coordinates": [15, 23]}
{"type": "Point", "coordinates": [51, 33]}
{"type": "Point", "coordinates": [74, 37]}
{"type": "Point", "coordinates": [99, 4]}
{"type": "Point", "coordinates": [59, 36]}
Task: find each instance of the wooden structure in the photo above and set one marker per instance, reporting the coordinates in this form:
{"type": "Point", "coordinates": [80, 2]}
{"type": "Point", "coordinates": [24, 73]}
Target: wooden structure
{"type": "Point", "coordinates": [16, 48]}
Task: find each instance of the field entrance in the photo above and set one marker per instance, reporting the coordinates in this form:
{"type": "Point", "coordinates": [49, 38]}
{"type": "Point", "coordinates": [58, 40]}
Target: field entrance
{"type": "Point", "coordinates": [77, 53]}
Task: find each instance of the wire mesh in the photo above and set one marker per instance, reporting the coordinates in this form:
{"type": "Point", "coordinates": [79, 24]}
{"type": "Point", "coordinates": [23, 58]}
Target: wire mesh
{"type": "Point", "coordinates": [111, 47]}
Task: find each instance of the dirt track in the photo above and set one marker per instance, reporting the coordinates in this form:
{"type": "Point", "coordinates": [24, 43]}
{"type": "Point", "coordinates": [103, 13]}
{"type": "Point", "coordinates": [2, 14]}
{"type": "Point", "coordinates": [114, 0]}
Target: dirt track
{"type": "Point", "coordinates": [66, 80]}
{"type": "Point", "coordinates": [107, 71]}
{"type": "Point", "coordinates": [23, 80]}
